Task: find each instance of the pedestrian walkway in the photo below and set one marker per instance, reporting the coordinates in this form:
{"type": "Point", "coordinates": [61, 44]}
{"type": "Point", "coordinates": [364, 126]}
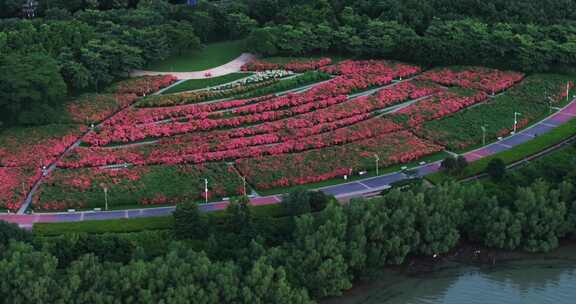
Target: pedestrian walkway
{"type": "Point", "coordinates": [233, 66]}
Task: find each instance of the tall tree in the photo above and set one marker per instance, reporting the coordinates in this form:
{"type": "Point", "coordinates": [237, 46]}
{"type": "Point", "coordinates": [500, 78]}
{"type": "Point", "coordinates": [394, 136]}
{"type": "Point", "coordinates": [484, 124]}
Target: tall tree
{"type": "Point", "coordinates": [29, 83]}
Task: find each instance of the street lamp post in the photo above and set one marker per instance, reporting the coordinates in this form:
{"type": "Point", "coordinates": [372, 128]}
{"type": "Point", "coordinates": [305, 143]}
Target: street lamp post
{"type": "Point", "coordinates": [550, 102]}
{"type": "Point", "coordinates": [516, 114]}
{"type": "Point", "coordinates": [106, 198]}
{"type": "Point", "coordinates": [206, 190]}
{"type": "Point", "coordinates": [377, 165]}
{"type": "Point", "coordinates": [483, 135]}
{"type": "Point", "coordinates": [244, 184]}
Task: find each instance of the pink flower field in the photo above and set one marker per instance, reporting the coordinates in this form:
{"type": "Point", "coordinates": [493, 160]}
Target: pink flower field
{"type": "Point", "coordinates": [162, 154]}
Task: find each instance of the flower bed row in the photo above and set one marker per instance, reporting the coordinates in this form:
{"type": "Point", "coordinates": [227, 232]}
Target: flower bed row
{"type": "Point", "coordinates": [194, 111]}
{"type": "Point", "coordinates": [36, 146]}
{"type": "Point", "coordinates": [318, 165]}
{"type": "Point", "coordinates": [93, 108]}
{"type": "Point", "coordinates": [296, 66]}
{"type": "Point", "coordinates": [152, 185]}
{"type": "Point", "coordinates": [14, 186]}
{"type": "Point", "coordinates": [312, 123]}
{"type": "Point", "coordinates": [125, 133]}
{"type": "Point", "coordinates": [355, 109]}
{"type": "Point", "coordinates": [488, 80]}
{"type": "Point", "coordinates": [124, 129]}
{"type": "Point", "coordinates": [142, 86]}
{"type": "Point", "coordinates": [438, 106]}
{"type": "Point", "coordinates": [211, 151]}
{"type": "Point", "coordinates": [372, 67]}
{"type": "Point", "coordinates": [464, 129]}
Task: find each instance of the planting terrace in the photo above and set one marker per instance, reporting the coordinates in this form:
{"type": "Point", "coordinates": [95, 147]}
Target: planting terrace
{"type": "Point", "coordinates": [347, 119]}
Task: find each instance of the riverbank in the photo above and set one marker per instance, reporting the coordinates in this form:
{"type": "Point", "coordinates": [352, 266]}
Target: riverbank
{"type": "Point", "coordinates": [495, 276]}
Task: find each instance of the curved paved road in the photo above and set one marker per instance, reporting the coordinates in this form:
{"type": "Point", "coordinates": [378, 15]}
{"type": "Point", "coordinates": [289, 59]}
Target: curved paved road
{"type": "Point", "coordinates": [342, 192]}
{"type": "Point", "coordinates": [231, 67]}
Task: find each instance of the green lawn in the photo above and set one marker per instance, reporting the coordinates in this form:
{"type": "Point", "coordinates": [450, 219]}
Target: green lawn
{"type": "Point", "coordinates": [515, 154]}
{"type": "Point", "coordinates": [212, 55]}
{"type": "Point", "coordinates": [284, 60]}
{"type": "Point", "coordinates": [196, 84]}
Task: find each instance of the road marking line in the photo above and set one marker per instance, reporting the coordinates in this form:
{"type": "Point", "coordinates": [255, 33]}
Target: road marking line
{"type": "Point", "coordinates": [505, 145]}
{"type": "Point", "coordinates": [568, 114]}
{"type": "Point", "coordinates": [549, 125]}
{"type": "Point", "coordinates": [527, 134]}
{"type": "Point", "coordinates": [362, 184]}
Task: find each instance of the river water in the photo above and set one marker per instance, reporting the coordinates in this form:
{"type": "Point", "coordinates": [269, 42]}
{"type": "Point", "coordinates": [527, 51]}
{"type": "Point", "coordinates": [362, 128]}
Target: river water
{"type": "Point", "coordinates": [539, 279]}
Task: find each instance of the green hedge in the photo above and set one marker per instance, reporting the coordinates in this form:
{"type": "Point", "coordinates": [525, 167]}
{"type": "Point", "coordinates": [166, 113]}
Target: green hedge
{"type": "Point", "coordinates": [196, 84]}
{"type": "Point", "coordinates": [305, 79]}
{"type": "Point", "coordinates": [140, 224]}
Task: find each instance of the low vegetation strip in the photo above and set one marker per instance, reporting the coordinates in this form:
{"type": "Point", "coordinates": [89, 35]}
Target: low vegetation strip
{"type": "Point", "coordinates": [105, 226]}
{"type": "Point", "coordinates": [143, 224]}
{"type": "Point", "coordinates": [196, 84]}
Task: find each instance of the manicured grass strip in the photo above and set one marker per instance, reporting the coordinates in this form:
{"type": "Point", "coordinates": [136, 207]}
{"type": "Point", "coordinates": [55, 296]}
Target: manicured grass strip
{"type": "Point", "coordinates": [140, 224]}
{"type": "Point", "coordinates": [284, 60]}
{"type": "Point", "coordinates": [515, 154]}
{"type": "Point", "coordinates": [212, 55]}
{"type": "Point", "coordinates": [106, 226]}
{"type": "Point", "coordinates": [305, 79]}
{"type": "Point", "coordinates": [196, 84]}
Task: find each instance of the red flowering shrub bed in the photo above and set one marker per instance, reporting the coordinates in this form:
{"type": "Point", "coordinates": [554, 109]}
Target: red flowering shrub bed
{"type": "Point", "coordinates": [94, 108]}
{"type": "Point", "coordinates": [318, 165]}
{"type": "Point", "coordinates": [341, 114]}
{"type": "Point", "coordinates": [488, 80]}
{"type": "Point", "coordinates": [296, 66]}
{"type": "Point", "coordinates": [36, 146]}
{"type": "Point", "coordinates": [153, 185]}
{"type": "Point", "coordinates": [463, 129]}
{"type": "Point", "coordinates": [14, 186]}
{"type": "Point", "coordinates": [142, 86]}
{"type": "Point", "coordinates": [356, 76]}
{"type": "Point", "coordinates": [219, 148]}
{"type": "Point", "coordinates": [373, 68]}
{"type": "Point", "coordinates": [127, 132]}
{"type": "Point", "coordinates": [438, 106]}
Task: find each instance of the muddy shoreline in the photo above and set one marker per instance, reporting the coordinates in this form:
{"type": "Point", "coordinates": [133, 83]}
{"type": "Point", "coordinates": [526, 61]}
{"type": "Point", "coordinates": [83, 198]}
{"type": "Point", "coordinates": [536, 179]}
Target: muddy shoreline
{"type": "Point", "coordinates": [464, 255]}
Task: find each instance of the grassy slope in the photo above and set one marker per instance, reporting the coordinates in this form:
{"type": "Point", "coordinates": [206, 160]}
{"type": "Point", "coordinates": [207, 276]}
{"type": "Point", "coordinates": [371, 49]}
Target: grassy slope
{"type": "Point", "coordinates": [196, 84]}
{"type": "Point", "coordinates": [212, 55]}
{"type": "Point", "coordinates": [369, 174]}
{"type": "Point", "coordinates": [515, 154]}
